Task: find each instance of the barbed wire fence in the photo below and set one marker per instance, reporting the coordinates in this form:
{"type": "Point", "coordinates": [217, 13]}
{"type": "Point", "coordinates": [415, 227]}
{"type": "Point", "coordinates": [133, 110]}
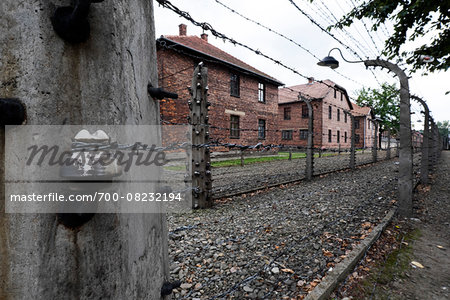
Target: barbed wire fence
{"type": "Point", "coordinates": [259, 146]}
{"type": "Point", "coordinates": [233, 169]}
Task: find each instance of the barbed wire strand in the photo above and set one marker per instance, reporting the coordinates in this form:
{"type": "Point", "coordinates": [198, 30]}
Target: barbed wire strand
{"type": "Point", "coordinates": [207, 27]}
{"type": "Point", "coordinates": [283, 36]}
{"type": "Point", "coordinates": [331, 34]}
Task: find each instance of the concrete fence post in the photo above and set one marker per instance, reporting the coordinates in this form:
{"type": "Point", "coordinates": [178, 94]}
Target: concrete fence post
{"type": "Point", "coordinates": [201, 161]}
{"type": "Point", "coordinates": [310, 146]}
{"type": "Point", "coordinates": [397, 148]}
{"type": "Point", "coordinates": [375, 142]}
{"type": "Point", "coordinates": [405, 178]}
{"type": "Point", "coordinates": [388, 151]}
{"type": "Point", "coordinates": [101, 80]}
{"type": "Point", "coordinates": [352, 164]}
{"type": "Point", "coordinates": [432, 143]}
{"type": "Point", "coordinates": [424, 164]}
{"type": "Point", "coordinates": [436, 144]}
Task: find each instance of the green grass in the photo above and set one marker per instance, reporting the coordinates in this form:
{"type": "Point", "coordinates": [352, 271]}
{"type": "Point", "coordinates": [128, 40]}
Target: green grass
{"type": "Point", "coordinates": [397, 262]}
{"type": "Point", "coordinates": [175, 168]}
{"type": "Point", "coordinates": [253, 160]}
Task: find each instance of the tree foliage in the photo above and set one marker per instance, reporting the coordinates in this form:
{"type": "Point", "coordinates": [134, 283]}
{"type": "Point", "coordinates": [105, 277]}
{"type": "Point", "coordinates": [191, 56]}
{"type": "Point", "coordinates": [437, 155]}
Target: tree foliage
{"type": "Point", "coordinates": [413, 19]}
{"type": "Point", "coordinates": [443, 127]}
{"type": "Point", "coordinates": [385, 103]}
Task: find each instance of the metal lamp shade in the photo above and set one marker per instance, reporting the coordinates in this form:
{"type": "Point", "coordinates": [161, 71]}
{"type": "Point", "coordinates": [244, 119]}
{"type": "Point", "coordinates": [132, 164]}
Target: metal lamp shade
{"type": "Point", "coordinates": [329, 61]}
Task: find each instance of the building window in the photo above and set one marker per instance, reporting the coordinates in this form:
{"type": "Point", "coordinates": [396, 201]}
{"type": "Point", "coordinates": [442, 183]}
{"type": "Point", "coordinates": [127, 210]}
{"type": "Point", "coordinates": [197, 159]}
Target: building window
{"type": "Point", "coordinates": [329, 112]}
{"type": "Point", "coordinates": [286, 134]}
{"type": "Point", "coordinates": [261, 92]}
{"type": "Point", "coordinates": [329, 135]}
{"type": "Point", "coordinates": [261, 129]}
{"type": "Point", "coordinates": [335, 93]}
{"type": "Point", "coordinates": [287, 113]}
{"type": "Point", "coordinates": [345, 137]}
{"type": "Point", "coordinates": [357, 124]}
{"type": "Point", "coordinates": [234, 85]}
{"type": "Point", "coordinates": [356, 138]}
{"type": "Point", "coordinates": [338, 114]}
{"type": "Point", "coordinates": [338, 134]}
{"type": "Point", "coordinates": [342, 96]}
{"type": "Point", "coordinates": [305, 111]}
{"type": "Point", "coordinates": [234, 127]}
{"type": "Point", "coordinates": [345, 117]}
{"type": "Point", "coordinates": [303, 134]}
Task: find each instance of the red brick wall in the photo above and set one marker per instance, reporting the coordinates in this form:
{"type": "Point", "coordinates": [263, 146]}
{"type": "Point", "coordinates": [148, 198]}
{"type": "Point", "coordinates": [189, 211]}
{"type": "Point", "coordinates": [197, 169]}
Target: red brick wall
{"type": "Point", "coordinates": [297, 122]}
{"type": "Point", "coordinates": [174, 75]}
{"type": "Point", "coordinates": [360, 131]}
{"type": "Point", "coordinates": [322, 123]}
{"type": "Point", "coordinates": [334, 125]}
{"type": "Point", "coordinates": [365, 131]}
{"type": "Point", "coordinates": [247, 106]}
{"type": "Point", "coordinates": [370, 132]}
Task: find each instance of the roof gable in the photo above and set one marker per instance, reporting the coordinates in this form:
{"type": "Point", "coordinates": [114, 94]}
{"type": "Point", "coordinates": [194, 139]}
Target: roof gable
{"type": "Point", "coordinates": [359, 111]}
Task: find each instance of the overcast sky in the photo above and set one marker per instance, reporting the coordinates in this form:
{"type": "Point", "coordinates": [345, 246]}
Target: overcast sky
{"type": "Point", "coordinates": [283, 17]}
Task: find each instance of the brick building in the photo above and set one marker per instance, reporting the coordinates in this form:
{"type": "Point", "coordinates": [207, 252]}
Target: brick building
{"type": "Point", "coordinates": [244, 100]}
{"type": "Point", "coordinates": [417, 138]}
{"type": "Point", "coordinates": [331, 124]}
{"type": "Point", "coordinates": [364, 127]}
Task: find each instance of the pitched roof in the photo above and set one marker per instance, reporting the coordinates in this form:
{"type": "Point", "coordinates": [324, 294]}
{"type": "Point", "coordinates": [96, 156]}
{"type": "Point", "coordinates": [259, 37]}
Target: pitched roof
{"type": "Point", "coordinates": [361, 110]}
{"type": "Point", "coordinates": [316, 90]}
{"type": "Point", "coordinates": [200, 46]}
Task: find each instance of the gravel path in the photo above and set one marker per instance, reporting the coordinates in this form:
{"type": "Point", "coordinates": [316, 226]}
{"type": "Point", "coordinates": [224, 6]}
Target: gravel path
{"type": "Point", "coordinates": [229, 180]}
{"type": "Point", "coordinates": [277, 243]}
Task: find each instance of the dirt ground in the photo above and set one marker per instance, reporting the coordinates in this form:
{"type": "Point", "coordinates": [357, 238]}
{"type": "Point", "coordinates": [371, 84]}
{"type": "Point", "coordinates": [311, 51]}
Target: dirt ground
{"type": "Point", "coordinates": [390, 269]}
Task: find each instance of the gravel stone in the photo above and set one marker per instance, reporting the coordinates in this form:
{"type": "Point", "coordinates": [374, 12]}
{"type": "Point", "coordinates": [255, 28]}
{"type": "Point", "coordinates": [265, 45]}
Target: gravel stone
{"type": "Point", "coordinates": [186, 286]}
{"type": "Point", "coordinates": [248, 289]}
{"type": "Point", "coordinates": [269, 231]}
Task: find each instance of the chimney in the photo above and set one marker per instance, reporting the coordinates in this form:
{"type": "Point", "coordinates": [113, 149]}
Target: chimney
{"type": "Point", "coordinates": [183, 29]}
{"type": "Point", "coordinates": [310, 80]}
{"type": "Point", "coordinates": [204, 37]}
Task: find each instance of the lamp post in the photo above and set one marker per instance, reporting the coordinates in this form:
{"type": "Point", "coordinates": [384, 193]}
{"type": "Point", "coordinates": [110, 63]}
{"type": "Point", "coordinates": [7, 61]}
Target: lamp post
{"type": "Point", "coordinates": [405, 179]}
